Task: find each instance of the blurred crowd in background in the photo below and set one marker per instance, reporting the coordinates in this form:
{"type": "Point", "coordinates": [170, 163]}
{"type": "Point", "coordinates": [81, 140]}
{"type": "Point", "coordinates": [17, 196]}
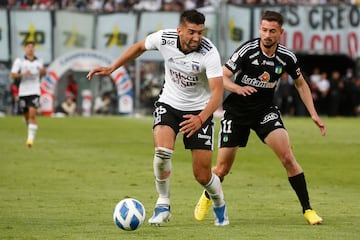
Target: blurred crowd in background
{"type": "Point", "coordinates": [147, 5]}
{"type": "Point", "coordinates": [334, 93]}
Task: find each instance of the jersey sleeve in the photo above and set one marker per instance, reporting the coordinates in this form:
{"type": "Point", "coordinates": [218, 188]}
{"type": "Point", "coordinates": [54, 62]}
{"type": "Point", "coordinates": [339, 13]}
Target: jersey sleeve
{"type": "Point", "coordinates": [213, 65]}
{"type": "Point", "coordinates": [292, 67]}
{"type": "Point", "coordinates": [16, 67]}
{"type": "Point", "coordinates": [153, 40]}
{"type": "Point", "coordinates": [234, 62]}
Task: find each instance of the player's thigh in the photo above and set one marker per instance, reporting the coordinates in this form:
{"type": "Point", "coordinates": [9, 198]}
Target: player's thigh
{"type": "Point", "coordinates": [164, 136]}
{"type": "Point", "coordinates": [202, 165]}
{"type": "Point", "coordinates": [278, 140]}
{"type": "Point", "coordinates": [224, 161]}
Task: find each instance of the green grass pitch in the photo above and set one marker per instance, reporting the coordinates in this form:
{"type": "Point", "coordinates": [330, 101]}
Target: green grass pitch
{"type": "Point", "coordinates": [67, 185]}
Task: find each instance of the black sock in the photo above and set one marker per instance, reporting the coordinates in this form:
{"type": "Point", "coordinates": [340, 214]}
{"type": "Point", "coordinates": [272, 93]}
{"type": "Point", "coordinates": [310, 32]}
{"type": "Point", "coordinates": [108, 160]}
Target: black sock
{"type": "Point", "coordinates": [298, 183]}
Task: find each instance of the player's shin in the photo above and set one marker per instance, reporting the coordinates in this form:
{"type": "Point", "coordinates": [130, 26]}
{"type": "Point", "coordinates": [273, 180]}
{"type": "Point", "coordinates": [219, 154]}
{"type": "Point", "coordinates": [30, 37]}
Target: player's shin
{"type": "Point", "coordinates": [214, 190]}
{"type": "Point", "coordinates": [32, 128]}
{"type": "Point", "coordinates": [162, 172]}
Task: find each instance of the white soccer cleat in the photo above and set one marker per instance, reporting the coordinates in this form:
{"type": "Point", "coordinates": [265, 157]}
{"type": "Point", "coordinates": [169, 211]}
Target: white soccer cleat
{"type": "Point", "coordinates": [161, 214]}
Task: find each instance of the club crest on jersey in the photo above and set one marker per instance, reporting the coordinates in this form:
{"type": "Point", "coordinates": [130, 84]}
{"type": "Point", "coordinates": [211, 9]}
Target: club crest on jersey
{"type": "Point", "coordinates": [265, 77]}
{"type": "Point", "coordinates": [195, 67]}
{"type": "Point", "coordinates": [278, 69]}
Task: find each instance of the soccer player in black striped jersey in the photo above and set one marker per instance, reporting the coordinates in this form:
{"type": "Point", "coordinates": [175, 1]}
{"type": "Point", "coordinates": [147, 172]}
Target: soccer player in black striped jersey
{"type": "Point", "coordinates": [192, 91]}
{"type": "Point", "coordinates": [256, 67]}
{"type": "Point", "coordinates": [29, 69]}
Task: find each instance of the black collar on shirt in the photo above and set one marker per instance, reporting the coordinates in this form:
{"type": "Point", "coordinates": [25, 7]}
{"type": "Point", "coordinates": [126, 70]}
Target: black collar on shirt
{"type": "Point", "coordinates": [29, 59]}
{"type": "Point", "coordinates": [179, 47]}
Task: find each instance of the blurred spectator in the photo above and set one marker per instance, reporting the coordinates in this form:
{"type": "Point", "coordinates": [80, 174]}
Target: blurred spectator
{"type": "Point", "coordinates": [336, 91]}
{"type": "Point", "coordinates": [323, 88]}
{"type": "Point", "coordinates": [315, 78]}
{"type": "Point", "coordinates": [173, 5]}
{"type": "Point", "coordinates": [109, 6]}
{"type": "Point", "coordinates": [189, 4]}
{"type": "Point", "coordinates": [123, 5]}
{"type": "Point", "coordinates": [13, 4]}
{"type": "Point", "coordinates": [67, 108]}
{"type": "Point", "coordinates": [38, 5]}
{"type": "Point", "coordinates": [102, 104]}
{"type": "Point", "coordinates": [356, 96]}
{"type": "Point", "coordinates": [95, 5]}
{"type": "Point", "coordinates": [284, 95]}
{"type": "Point", "coordinates": [79, 4]}
{"type": "Point", "coordinates": [71, 87]}
{"type": "Point", "coordinates": [148, 5]}
{"type": "Point", "coordinates": [346, 102]}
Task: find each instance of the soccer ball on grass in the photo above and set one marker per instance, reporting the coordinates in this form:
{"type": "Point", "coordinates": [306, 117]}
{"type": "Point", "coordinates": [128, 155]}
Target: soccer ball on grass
{"type": "Point", "coordinates": [129, 214]}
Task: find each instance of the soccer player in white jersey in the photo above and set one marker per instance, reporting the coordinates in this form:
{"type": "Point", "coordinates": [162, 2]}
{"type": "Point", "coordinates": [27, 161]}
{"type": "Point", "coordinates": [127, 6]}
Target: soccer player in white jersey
{"type": "Point", "coordinates": [192, 91]}
{"type": "Point", "coordinates": [29, 69]}
{"type": "Point", "coordinates": [257, 66]}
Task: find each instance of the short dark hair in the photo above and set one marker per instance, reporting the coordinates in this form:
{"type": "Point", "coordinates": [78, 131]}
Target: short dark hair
{"type": "Point", "coordinates": [273, 16]}
{"type": "Point", "coordinates": [29, 42]}
{"type": "Point", "coordinates": [192, 16]}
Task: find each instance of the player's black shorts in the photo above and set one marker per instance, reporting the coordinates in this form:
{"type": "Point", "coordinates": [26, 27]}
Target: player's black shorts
{"type": "Point", "coordinates": [233, 133]}
{"type": "Point", "coordinates": [29, 101]}
{"type": "Point", "coordinates": [167, 115]}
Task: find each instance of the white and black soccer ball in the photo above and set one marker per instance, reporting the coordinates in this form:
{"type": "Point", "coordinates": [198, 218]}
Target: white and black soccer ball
{"type": "Point", "coordinates": [129, 214]}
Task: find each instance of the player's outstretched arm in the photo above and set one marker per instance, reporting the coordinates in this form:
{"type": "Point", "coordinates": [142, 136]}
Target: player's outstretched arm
{"type": "Point", "coordinates": [130, 54]}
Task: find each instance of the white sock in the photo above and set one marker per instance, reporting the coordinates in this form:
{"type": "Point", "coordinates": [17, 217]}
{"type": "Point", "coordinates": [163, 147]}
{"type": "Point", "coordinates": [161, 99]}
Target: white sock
{"type": "Point", "coordinates": [32, 128]}
{"type": "Point", "coordinates": [162, 172]}
{"type": "Point", "coordinates": [214, 189]}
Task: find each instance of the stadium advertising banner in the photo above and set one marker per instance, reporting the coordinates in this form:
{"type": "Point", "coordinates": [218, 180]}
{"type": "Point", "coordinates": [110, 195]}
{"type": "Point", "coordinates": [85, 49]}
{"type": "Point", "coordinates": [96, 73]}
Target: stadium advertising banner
{"type": "Point", "coordinates": [238, 22]}
{"type": "Point", "coordinates": [74, 30]}
{"type": "Point", "coordinates": [4, 39]}
{"type": "Point", "coordinates": [115, 33]}
{"type": "Point", "coordinates": [31, 26]}
{"type": "Point", "coordinates": [153, 21]}
{"type": "Point", "coordinates": [331, 29]}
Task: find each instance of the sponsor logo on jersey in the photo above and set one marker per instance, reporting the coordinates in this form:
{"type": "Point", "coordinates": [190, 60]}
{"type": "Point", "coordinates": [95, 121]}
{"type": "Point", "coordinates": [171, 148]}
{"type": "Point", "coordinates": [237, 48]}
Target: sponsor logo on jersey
{"type": "Point", "coordinates": [183, 80]}
{"type": "Point", "coordinates": [225, 138]}
{"type": "Point", "coordinates": [257, 83]}
{"type": "Point", "coordinates": [265, 77]}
